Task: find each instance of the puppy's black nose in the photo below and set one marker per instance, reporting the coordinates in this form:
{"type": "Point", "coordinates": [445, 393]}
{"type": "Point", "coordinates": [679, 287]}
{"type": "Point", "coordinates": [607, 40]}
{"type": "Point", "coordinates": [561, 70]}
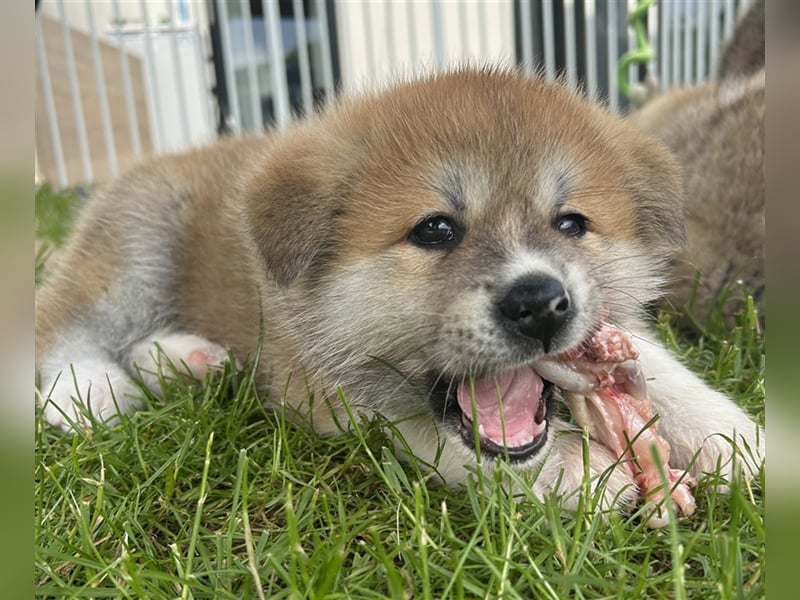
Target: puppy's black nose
{"type": "Point", "coordinates": [536, 307]}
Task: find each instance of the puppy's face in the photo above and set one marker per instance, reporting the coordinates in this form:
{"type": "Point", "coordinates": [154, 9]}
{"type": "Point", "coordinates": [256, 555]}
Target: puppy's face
{"type": "Point", "coordinates": [432, 242]}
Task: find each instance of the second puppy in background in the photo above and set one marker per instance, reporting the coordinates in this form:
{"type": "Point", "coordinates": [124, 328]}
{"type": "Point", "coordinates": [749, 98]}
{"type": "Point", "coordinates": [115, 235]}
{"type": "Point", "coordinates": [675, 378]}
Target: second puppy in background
{"type": "Point", "coordinates": [717, 132]}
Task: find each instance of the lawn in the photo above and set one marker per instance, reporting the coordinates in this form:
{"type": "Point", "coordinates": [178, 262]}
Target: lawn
{"type": "Point", "coordinates": [205, 494]}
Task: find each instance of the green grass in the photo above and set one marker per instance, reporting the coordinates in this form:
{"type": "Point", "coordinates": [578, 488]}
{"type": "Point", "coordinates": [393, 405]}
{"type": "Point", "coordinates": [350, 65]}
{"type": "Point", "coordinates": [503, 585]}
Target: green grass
{"type": "Point", "coordinates": [55, 214]}
{"type": "Point", "coordinates": [205, 494]}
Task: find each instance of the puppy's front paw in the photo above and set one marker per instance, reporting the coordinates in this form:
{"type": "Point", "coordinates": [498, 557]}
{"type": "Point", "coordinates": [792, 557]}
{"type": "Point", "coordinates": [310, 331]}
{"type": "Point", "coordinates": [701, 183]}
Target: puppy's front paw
{"type": "Point", "coordinates": [99, 388]}
{"type": "Point", "coordinates": [165, 353]}
{"type": "Point", "coordinates": [713, 437]}
{"type": "Point", "coordinates": [740, 447]}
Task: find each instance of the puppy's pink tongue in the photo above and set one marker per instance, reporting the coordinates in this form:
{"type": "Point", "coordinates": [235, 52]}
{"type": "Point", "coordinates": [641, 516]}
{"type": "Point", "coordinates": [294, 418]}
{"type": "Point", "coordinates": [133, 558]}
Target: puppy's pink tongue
{"type": "Point", "coordinates": [505, 402]}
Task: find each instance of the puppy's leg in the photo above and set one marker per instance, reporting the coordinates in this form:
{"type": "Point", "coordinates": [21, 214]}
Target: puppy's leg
{"type": "Point", "coordinates": [163, 353]}
{"type": "Point", "coordinates": [115, 284]}
{"type": "Point", "coordinates": [94, 382]}
{"type": "Point", "coordinates": [78, 376]}
{"type": "Point", "coordinates": [698, 421]}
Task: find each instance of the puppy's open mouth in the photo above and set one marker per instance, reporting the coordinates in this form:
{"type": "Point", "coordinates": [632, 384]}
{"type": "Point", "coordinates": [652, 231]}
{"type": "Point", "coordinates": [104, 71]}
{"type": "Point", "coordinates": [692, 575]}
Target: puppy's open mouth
{"type": "Point", "coordinates": [507, 410]}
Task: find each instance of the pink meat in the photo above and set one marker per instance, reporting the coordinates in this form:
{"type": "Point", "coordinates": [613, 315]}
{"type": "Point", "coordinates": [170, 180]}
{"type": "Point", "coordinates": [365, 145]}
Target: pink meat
{"type": "Point", "coordinates": [607, 393]}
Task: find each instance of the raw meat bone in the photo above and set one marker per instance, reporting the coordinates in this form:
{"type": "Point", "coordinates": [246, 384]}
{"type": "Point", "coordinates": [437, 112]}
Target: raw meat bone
{"type": "Point", "coordinates": [606, 391]}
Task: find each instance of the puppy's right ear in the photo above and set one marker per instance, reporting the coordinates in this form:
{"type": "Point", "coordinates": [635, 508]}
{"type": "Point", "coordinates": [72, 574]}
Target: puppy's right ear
{"type": "Point", "coordinates": [291, 203]}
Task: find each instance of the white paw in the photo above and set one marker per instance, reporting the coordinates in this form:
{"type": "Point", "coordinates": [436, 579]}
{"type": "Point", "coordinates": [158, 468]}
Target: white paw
{"type": "Point", "coordinates": [713, 435]}
{"type": "Point", "coordinates": [739, 449]}
{"type": "Point", "coordinates": [92, 386]}
{"type": "Point", "coordinates": [163, 354]}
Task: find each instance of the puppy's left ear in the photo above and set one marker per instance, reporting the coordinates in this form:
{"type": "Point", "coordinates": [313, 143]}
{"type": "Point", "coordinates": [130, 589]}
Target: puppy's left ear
{"type": "Point", "coordinates": [291, 204]}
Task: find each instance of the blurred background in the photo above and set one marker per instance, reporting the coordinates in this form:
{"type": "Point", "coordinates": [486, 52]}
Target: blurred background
{"type": "Point", "coordinates": [117, 80]}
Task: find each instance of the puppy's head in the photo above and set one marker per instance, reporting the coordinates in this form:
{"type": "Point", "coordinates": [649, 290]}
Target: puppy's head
{"type": "Point", "coordinates": [429, 243]}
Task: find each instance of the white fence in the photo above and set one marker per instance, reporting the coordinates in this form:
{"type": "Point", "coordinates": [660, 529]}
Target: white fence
{"type": "Point", "coordinates": [118, 80]}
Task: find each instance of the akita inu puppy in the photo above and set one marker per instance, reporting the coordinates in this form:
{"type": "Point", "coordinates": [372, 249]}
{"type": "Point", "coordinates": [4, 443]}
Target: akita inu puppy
{"type": "Point", "coordinates": [418, 249]}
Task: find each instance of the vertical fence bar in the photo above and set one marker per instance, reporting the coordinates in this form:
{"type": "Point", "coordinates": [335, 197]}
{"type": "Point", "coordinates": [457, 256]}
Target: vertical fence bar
{"type": "Point", "coordinates": [230, 67]}
{"type": "Point", "coordinates": [613, 56]}
{"type": "Point", "coordinates": [177, 74]}
{"type": "Point", "coordinates": [302, 56]}
{"type": "Point", "coordinates": [252, 74]}
{"type": "Point", "coordinates": [369, 42]}
{"type": "Point", "coordinates": [127, 86]}
{"type": "Point", "coordinates": [676, 44]}
{"type": "Point", "coordinates": [157, 125]}
{"type": "Point", "coordinates": [729, 18]}
{"type": "Point", "coordinates": [526, 26]}
{"type": "Point", "coordinates": [548, 29]}
{"type": "Point", "coordinates": [438, 32]}
{"type": "Point", "coordinates": [325, 46]}
{"type": "Point", "coordinates": [412, 33]}
{"type": "Point", "coordinates": [590, 25]}
{"type": "Point", "coordinates": [653, 26]}
{"type": "Point", "coordinates": [50, 107]}
{"type": "Point", "coordinates": [77, 105]}
{"type": "Point", "coordinates": [483, 35]}
{"type": "Point", "coordinates": [389, 29]}
{"type": "Point", "coordinates": [570, 42]}
{"type": "Point", "coordinates": [203, 61]}
{"type": "Point", "coordinates": [280, 87]}
{"type": "Point", "coordinates": [462, 29]}
{"type": "Point", "coordinates": [714, 40]}
{"type": "Point", "coordinates": [701, 56]}
{"type": "Point", "coordinates": [102, 95]}
{"type": "Point", "coordinates": [664, 38]}
{"type": "Point", "coordinates": [688, 32]}
{"type": "Point", "coordinates": [633, 68]}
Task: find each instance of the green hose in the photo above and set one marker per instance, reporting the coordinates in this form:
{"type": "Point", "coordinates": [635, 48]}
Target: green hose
{"type": "Point", "coordinates": [642, 53]}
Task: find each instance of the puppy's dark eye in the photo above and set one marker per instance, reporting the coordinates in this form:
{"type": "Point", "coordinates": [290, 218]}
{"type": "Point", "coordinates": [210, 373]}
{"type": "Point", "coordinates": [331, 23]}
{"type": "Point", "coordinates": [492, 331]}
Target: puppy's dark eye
{"type": "Point", "coordinates": [437, 231]}
{"type": "Point", "coordinates": [571, 225]}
